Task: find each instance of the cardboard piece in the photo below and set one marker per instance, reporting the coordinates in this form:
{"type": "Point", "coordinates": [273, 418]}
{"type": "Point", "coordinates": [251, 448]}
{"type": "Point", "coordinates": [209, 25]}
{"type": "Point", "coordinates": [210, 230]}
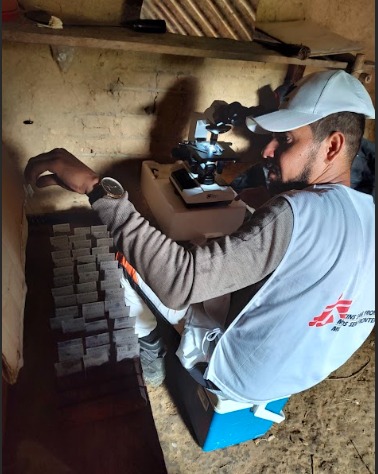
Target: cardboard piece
{"type": "Point", "coordinates": [320, 40]}
{"type": "Point", "coordinates": [14, 237]}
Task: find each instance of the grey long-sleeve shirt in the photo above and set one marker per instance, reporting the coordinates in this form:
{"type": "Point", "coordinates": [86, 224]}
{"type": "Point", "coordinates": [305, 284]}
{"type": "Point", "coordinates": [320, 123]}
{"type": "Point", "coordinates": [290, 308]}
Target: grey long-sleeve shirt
{"type": "Point", "coordinates": [236, 264]}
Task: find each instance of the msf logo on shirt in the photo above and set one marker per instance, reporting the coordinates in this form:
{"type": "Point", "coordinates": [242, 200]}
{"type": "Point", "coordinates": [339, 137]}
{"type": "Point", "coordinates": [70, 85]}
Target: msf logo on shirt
{"type": "Point", "coordinates": [339, 309]}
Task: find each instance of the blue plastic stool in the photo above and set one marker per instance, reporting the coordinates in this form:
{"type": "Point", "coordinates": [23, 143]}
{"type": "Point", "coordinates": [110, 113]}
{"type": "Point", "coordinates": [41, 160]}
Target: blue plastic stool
{"type": "Point", "coordinates": [216, 423]}
{"type": "Point", "coordinates": [233, 423]}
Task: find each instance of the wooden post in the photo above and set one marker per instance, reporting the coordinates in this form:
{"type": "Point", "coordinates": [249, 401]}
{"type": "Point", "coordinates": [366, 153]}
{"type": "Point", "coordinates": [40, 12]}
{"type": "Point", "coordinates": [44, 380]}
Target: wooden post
{"type": "Point", "coordinates": [358, 65]}
{"type": "Point", "coordinates": [294, 73]}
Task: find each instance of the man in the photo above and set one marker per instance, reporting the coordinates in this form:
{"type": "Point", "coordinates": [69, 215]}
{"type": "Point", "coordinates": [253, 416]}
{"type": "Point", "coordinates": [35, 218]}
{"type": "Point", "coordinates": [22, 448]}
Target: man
{"type": "Point", "coordinates": [275, 307]}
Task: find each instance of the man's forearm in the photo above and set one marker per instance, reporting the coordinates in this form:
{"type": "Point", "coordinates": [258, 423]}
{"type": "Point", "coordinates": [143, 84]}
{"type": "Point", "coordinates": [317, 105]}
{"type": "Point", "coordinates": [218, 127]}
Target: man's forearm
{"type": "Point", "coordinates": [180, 277]}
{"type": "Point", "coordinates": [164, 265]}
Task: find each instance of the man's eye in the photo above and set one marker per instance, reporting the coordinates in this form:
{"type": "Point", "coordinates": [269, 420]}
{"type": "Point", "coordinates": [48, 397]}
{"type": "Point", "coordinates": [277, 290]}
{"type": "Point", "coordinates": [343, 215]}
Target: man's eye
{"type": "Point", "coordinates": [283, 139]}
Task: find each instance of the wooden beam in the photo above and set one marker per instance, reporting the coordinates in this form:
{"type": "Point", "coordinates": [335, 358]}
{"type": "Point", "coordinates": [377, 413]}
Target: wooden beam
{"type": "Point", "coordinates": [118, 38]}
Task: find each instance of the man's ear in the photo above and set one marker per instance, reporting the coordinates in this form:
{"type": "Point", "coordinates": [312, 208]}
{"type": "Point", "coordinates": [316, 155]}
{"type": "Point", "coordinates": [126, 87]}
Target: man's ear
{"type": "Point", "coordinates": [335, 144]}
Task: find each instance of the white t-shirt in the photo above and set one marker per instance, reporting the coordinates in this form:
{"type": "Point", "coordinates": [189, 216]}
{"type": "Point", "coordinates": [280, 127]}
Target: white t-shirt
{"type": "Point", "coordinates": [316, 309]}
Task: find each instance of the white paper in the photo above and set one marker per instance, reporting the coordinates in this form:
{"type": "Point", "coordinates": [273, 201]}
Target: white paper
{"type": "Point", "coordinates": [105, 257]}
{"type": "Point", "coordinates": [65, 300]}
{"type": "Point", "coordinates": [93, 310]}
{"type": "Point", "coordinates": [59, 254]}
{"type": "Point", "coordinates": [63, 262]}
{"type": "Point", "coordinates": [56, 321]}
{"type": "Point", "coordinates": [124, 322]}
{"type": "Point", "coordinates": [77, 237]}
{"type": "Point", "coordinates": [88, 276]}
{"type": "Point", "coordinates": [100, 250]}
{"type": "Point", "coordinates": [110, 284]}
{"type": "Point", "coordinates": [122, 312]}
{"type": "Point", "coordinates": [76, 253]}
{"type": "Point", "coordinates": [96, 360]}
{"type": "Point", "coordinates": [84, 298]}
{"type": "Point", "coordinates": [113, 273]}
{"type": "Point", "coordinates": [117, 293]}
{"type": "Point", "coordinates": [73, 325]}
{"type": "Point", "coordinates": [109, 265]}
{"type": "Point", "coordinates": [128, 351]}
{"type": "Point", "coordinates": [122, 337]}
{"type": "Point", "coordinates": [60, 271]}
{"type": "Point", "coordinates": [86, 287]}
{"type": "Point", "coordinates": [101, 325]}
{"type": "Point", "coordinates": [69, 350]}
{"type": "Point", "coordinates": [63, 290]}
{"type": "Point", "coordinates": [101, 234]}
{"type": "Point", "coordinates": [97, 340]}
{"type": "Point", "coordinates": [59, 239]}
{"type": "Point", "coordinates": [60, 242]}
{"type": "Point", "coordinates": [68, 311]}
{"type": "Point", "coordinates": [61, 228]}
{"type": "Point", "coordinates": [98, 228]}
{"type": "Point", "coordinates": [106, 242]}
{"type": "Point", "coordinates": [82, 230]}
{"type": "Point", "coordinates": [86, 267]}
{"type": "Point", "coordinates": [115, 305]}
{"type": "Point", "coordinates": [82, 244]}
{"type": "Point", "coordinates": [98, 350]}
{"type": "Point", "coordinates": [63, 280]}
{"type": "Point", "coordinates": [86, 258]}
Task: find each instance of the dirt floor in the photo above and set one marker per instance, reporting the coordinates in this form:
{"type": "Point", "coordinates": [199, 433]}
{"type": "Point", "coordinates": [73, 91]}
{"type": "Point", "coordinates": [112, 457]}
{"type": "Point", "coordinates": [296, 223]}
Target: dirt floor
{"type": "Point", "coordinates": [328, 429]}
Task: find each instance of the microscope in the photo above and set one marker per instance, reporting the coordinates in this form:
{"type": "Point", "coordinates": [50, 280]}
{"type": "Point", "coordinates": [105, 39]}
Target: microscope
{"type": "Point", "coordinates": [201, 162]}
{"type": "Point", "coordinates": [189, 199]}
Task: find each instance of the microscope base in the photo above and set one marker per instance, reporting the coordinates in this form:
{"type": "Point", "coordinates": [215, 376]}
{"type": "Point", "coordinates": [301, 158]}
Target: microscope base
{"type": "Point", "coordinates": [195, 194]}
{"type": "Point", "coordinates": [176, 220]}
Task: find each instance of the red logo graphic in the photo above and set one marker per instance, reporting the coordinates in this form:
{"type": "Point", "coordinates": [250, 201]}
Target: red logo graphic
{"type": "Point", "coordinates": [341, 308]}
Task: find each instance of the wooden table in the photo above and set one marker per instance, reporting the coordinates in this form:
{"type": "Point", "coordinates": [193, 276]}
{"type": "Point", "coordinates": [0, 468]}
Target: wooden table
{"type": "Point", "coordinates": [101, 426]}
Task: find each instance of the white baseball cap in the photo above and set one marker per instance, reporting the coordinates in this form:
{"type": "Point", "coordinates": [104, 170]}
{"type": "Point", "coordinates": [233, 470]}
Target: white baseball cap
{"type": "Point", "coordinates": [314, 97]}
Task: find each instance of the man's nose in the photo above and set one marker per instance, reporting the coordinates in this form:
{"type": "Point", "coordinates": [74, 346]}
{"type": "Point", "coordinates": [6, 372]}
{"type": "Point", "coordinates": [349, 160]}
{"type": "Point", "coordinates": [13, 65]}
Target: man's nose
{"type": "Point", "coordinates": [269, 150]}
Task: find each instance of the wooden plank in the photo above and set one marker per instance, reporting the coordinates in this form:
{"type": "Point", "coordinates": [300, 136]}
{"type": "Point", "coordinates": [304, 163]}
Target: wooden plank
{"type": "Point", "coordinates": [105, 426]}
{"type": "Point", "coordinates": [122, 39]}
{"type": "Point", "coordinates": [319, 39]}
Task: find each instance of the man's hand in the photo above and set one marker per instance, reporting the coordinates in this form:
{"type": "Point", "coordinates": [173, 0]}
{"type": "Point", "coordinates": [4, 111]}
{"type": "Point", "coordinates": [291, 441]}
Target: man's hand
{"type": "Point", "coordinates": [254, 197]}
{"type": "Point", "coordinates": [65, 170]}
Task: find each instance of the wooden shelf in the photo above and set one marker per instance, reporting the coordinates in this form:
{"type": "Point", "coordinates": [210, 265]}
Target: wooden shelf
{"type": "Point", "coordinates": [96, 423]}
{"type": "Point", "coordinates": [117, 38]}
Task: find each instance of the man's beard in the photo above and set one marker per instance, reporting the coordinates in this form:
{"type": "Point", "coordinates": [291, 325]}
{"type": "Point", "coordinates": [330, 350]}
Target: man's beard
{"type": "Point", "coordinates": [277, 186]}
